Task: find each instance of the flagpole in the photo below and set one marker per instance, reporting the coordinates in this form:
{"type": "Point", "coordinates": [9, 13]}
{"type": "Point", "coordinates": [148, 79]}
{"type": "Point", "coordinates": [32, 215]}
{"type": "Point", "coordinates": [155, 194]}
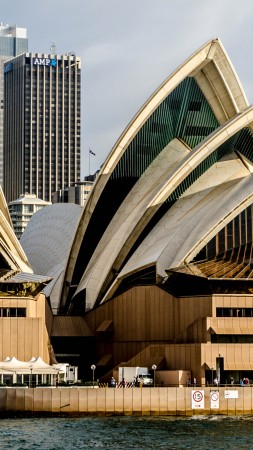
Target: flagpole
{"type": "Point", "coordinates": [90, 153]}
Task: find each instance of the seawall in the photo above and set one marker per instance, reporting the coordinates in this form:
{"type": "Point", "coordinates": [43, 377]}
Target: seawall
{"type": "Point", "coordinates": [130, 401]}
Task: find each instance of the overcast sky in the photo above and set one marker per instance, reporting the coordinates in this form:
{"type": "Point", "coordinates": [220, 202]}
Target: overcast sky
{"type": "Point", "coordinates": [128, 48]}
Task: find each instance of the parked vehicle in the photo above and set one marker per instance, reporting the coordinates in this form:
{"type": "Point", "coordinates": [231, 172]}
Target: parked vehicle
{"type": "Point", "coordinates": [145, 379]}
{"type": "Point", "coordinates": [137, 375]}
{"type": "Point", "coordinates": [67, 373]}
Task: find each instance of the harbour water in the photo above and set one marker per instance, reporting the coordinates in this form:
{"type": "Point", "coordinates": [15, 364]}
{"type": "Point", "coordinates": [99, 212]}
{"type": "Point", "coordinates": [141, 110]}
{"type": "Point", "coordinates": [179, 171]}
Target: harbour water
{"type": "Point", "coordinates": [58, 433]}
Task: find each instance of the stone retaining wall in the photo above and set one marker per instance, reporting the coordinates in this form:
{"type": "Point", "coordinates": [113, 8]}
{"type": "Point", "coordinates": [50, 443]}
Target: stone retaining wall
{"type": "Point", "coordinates": [131, 401]}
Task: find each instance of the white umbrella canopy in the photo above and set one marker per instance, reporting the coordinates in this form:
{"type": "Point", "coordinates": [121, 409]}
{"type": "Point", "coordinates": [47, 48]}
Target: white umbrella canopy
{"type": "Point", "coordinates": [10, 365]}
{"type": "Point", "coordinates": [15, 363]}
{"type": "Point", "coordinates": [35, 366]}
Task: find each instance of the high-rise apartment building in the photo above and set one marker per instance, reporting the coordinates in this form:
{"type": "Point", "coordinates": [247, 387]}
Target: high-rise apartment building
{"type": "Point", "coordinates": [13, 41]}
{"type": "Point", "coordinates": [42, 124]}
{"type": "Point", "coordinates": [22, 209]}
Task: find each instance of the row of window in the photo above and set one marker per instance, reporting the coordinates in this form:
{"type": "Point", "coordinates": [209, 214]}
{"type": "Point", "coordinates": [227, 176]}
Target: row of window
{"type": "Point", "coordinates": [12, 312]}
{"type": "Point", "coordinates": [231, 338]}
{"type": "Point", "coordinates": [234, 312]}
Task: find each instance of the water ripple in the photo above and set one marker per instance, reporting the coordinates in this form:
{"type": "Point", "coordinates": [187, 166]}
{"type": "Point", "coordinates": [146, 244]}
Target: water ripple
{"type": "Point", "coordinates": [58, 433]}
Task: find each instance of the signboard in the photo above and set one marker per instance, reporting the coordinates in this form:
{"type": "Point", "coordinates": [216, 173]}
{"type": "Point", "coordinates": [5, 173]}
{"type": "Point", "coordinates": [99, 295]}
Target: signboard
{"type": "Point", "coordinates": [44, 62]}
{"type": "Point", "coordinates": [214, 400]}
{"type": "Point", "coordinates": [198, 401]}
{"type": "Point", "coordinates": [231, 394]}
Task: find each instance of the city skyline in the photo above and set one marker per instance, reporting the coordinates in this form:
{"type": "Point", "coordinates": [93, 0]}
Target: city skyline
{"type": "Point", "coordinates": [127, 49]}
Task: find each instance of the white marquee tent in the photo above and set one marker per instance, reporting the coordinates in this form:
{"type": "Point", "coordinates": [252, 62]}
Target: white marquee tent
{"type": "Point", "coordinates": [33, 371]}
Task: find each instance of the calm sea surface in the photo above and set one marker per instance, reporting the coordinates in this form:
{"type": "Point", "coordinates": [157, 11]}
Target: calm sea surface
{"type": "Point", "coordinates": [212, 432]}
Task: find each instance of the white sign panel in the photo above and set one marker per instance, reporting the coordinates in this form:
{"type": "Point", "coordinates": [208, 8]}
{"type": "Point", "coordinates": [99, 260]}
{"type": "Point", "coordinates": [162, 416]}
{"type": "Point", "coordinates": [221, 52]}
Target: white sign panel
{"type": "Point", "coordinates": [198, 399]}
{"type": "Point", "coordinates": [231, 394]}
{"type": "Point", "coordinates": [214, 400]}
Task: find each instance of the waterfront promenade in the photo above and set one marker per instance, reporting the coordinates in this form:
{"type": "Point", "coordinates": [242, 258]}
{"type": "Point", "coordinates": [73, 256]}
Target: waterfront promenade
{"type": "Point", "coordinates": [132, 401]}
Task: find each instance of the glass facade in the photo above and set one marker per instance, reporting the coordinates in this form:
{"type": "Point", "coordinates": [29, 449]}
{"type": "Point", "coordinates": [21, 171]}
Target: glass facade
{"type": "Point", "coordinates": [237, 235]}
{"type": "Point", "coordinates": [184, 114]}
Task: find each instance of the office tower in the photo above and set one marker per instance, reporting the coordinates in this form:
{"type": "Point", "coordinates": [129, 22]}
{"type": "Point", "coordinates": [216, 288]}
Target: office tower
{"type": "Point", "coordinates": [13, 41]}
{"type": "Point", "coordinates": [42, 124]}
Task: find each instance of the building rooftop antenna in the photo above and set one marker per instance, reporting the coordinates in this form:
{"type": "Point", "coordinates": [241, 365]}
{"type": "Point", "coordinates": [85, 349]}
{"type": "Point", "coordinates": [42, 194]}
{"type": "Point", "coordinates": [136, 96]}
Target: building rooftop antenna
{"type": "Point", "coordinates": [53, 47]}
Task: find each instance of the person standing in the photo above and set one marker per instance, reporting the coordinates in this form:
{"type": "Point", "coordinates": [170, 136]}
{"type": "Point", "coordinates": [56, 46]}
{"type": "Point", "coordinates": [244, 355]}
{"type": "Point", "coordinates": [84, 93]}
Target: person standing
{"type": "Point", "coordinates": [113, 382]}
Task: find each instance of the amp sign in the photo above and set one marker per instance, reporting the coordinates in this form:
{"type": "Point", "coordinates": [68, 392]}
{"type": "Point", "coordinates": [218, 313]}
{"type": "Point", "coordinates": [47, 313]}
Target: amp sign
{"type": "Point", "coordinates": [44, 62]}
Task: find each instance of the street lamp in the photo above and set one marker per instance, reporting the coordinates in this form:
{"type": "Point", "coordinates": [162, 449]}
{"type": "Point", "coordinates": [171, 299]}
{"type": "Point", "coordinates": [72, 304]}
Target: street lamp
{"type": "Point", "coordinates": [31, 381]}
{"type": "Point", "coordinates": [212, 367]}
{"type": "Point", "coordinates": [154, 367]}
{"type": "Point", "coordinates": [93, 368]}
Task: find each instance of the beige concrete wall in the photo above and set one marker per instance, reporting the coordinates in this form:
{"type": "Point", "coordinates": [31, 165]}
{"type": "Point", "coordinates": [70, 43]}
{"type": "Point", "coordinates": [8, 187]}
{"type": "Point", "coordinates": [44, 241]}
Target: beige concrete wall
{"type": "Point", "coordinates": [149, 324]}
{"type": "Point", "coordinates": [141, 401]}
{"type": "Point", "coordinates": [231, 301]}
{"type": "Point", "coordinates": [25, 337]}
{"type": "Point", "coordinates": [196, 358]}
{"type": "Point", "coordinates": [173, 378]}
{"type": "Point", "coordinates": [35, 306]}
{"type": "Point", "coordinates": [143, 316]}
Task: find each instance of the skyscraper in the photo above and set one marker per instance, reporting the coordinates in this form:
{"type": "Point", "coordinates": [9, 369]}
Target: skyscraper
{"type": "Point", "coordinates": [13, 41]}
{"type": "Point", "coordinates": [42, 124]}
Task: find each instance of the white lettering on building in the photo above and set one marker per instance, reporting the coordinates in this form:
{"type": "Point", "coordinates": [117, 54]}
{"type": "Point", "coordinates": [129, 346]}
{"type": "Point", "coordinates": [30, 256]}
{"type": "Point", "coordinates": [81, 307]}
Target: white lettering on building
{"type": "Point", "coordinates": [41, 61]}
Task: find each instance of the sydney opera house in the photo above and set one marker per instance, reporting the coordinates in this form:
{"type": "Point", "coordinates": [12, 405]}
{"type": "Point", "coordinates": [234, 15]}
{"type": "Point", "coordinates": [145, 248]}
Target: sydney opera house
{"type": "Point", "coordinates": [157, 268]}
